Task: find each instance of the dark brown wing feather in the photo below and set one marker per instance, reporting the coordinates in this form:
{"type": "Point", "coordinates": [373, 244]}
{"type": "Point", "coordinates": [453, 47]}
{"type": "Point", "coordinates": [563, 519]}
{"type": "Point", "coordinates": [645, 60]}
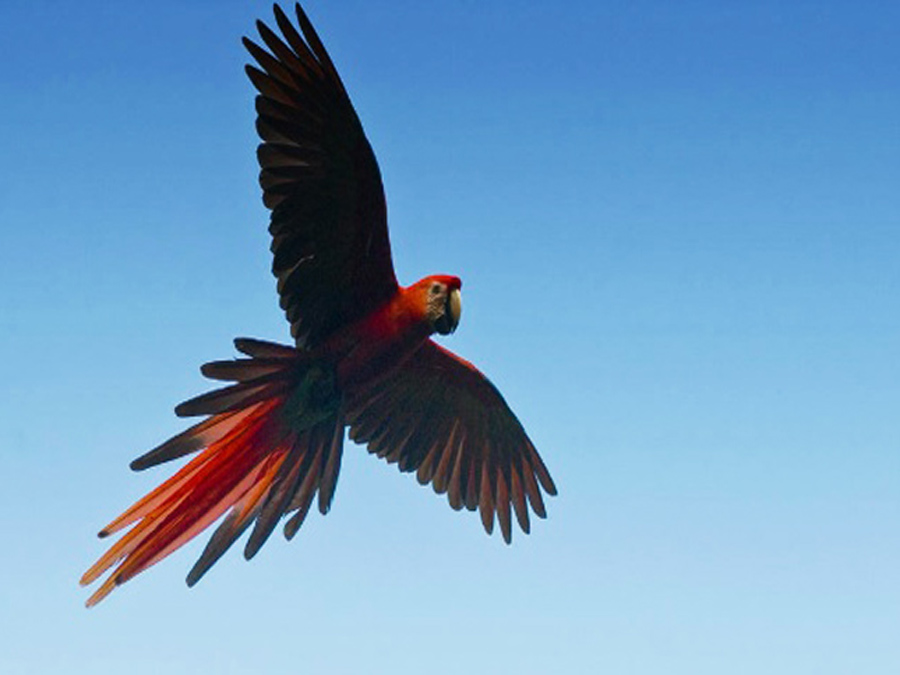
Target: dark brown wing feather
{"type": "Point", "coordinates": [439, 416]}
{"type": "Point", "coordinates": [319, 176]}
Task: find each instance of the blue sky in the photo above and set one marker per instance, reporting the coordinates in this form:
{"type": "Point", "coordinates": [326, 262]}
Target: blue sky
{"type": "Point", "coordinates": [678, 226]}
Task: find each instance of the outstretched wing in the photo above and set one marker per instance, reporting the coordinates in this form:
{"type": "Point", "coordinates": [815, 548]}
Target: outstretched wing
{"type": "Point", "coordinates": [439, 416]}
{"type": "Point", "coordinates": [320, 178]}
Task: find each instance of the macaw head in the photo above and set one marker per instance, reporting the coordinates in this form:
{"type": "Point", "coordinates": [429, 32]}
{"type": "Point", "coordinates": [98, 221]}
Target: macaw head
{"type": "Point", "coordinates": [442, 302]}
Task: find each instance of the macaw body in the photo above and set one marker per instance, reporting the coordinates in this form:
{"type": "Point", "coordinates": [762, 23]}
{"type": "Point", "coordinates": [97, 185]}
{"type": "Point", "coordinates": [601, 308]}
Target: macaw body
{"type": "Point", "coordinates": [272, 441]}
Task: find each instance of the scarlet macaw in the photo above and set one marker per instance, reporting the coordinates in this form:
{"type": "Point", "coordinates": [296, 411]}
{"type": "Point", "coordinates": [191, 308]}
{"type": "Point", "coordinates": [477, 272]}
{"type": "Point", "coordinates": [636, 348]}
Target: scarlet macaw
{"type": "Point", "coordinates": [363, 357]}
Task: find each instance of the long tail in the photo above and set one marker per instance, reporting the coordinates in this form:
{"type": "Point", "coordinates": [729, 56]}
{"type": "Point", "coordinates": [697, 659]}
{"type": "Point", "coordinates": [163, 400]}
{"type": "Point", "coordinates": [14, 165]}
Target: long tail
{"type": "Point", "coordinates": [263, 458]}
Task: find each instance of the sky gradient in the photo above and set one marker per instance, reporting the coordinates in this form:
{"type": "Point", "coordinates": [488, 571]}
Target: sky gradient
{"type": "Point", "coordinates": [678, 228]}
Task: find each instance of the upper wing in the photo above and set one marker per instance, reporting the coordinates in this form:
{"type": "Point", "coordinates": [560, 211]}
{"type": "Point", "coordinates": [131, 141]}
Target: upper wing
{"type": "Point", "coordinates": [320, 178]}
{"type": "Point", "coordinates": [438, 415]}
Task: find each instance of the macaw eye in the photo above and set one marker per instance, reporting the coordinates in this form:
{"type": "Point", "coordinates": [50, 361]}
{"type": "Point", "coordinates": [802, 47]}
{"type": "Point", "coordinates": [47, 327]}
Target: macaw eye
{"type": "Point", "coordinates": [435, 289]}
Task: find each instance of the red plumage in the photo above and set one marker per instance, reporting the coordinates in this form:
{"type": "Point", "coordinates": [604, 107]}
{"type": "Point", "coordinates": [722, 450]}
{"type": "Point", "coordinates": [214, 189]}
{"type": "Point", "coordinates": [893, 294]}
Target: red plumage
{"type": "Point", "coordinates": [273, 440]}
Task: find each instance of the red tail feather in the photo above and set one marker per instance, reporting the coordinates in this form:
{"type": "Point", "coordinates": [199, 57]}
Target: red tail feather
{"type": "Point", "coordinates": [259, 458]}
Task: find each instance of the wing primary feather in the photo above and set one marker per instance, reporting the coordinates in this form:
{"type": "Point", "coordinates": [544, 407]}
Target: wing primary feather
{"type": "Point", "coordinates": [541, 471]}
{"type": "Point", "coordinates": [473, 484]}
{"type": "Point", "coordinates": [454, 489]}
{"type": "Point", "coordinates": [445, 465]}
{"type": "Point", "coordinates": [295, 41]}
{"type": "Point", "coordinates": [502, 506]}
{"type": "Point", "coordinates": [278, 83]}
{"type": "Point", "coordinates": [267, 86]}
{"type": "Point", "coordinates": [486, 500]}
{"type": "Point", "coordinates": [299, 61]}
{"type": "Point", "coordinates": [365, 428]}
{"type": "Point", "coordinates": [518, 497]}
{"type": "Point", "coordinates": [533, 492]}
{"type": "Point", "coordinates": [386, 436]}
{"type": "Point", "coordinates": [276, 70]}
{"type": "Point", "coordinates": [425, 472]}
{"type": "Point", "coordinates": [392, 453]}
{"type": "Point", "coordinates": [315, 44]}
{"type": "Point", "coordinates": [268, 109]}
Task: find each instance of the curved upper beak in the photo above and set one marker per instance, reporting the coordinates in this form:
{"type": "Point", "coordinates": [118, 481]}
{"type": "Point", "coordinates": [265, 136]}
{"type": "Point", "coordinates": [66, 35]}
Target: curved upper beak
{"type": "Point", "coordinates": [454, 307]}
{"type": "Point", "coordinates": [452, 312]}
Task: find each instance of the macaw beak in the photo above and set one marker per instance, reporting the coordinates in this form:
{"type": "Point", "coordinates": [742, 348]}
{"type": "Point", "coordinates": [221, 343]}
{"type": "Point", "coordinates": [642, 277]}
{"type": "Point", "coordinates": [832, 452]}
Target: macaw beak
{"type": "Point", "coordinates": [452, 311]}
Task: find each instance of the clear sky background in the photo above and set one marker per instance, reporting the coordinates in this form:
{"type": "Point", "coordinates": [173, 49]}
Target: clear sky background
{"type": "Point", "coordinates": [678, 226]}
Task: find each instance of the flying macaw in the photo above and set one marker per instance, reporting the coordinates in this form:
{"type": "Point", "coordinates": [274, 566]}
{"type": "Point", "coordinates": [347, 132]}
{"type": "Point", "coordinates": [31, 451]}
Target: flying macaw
{"type": "Point", "coordinates": [363, 357]}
